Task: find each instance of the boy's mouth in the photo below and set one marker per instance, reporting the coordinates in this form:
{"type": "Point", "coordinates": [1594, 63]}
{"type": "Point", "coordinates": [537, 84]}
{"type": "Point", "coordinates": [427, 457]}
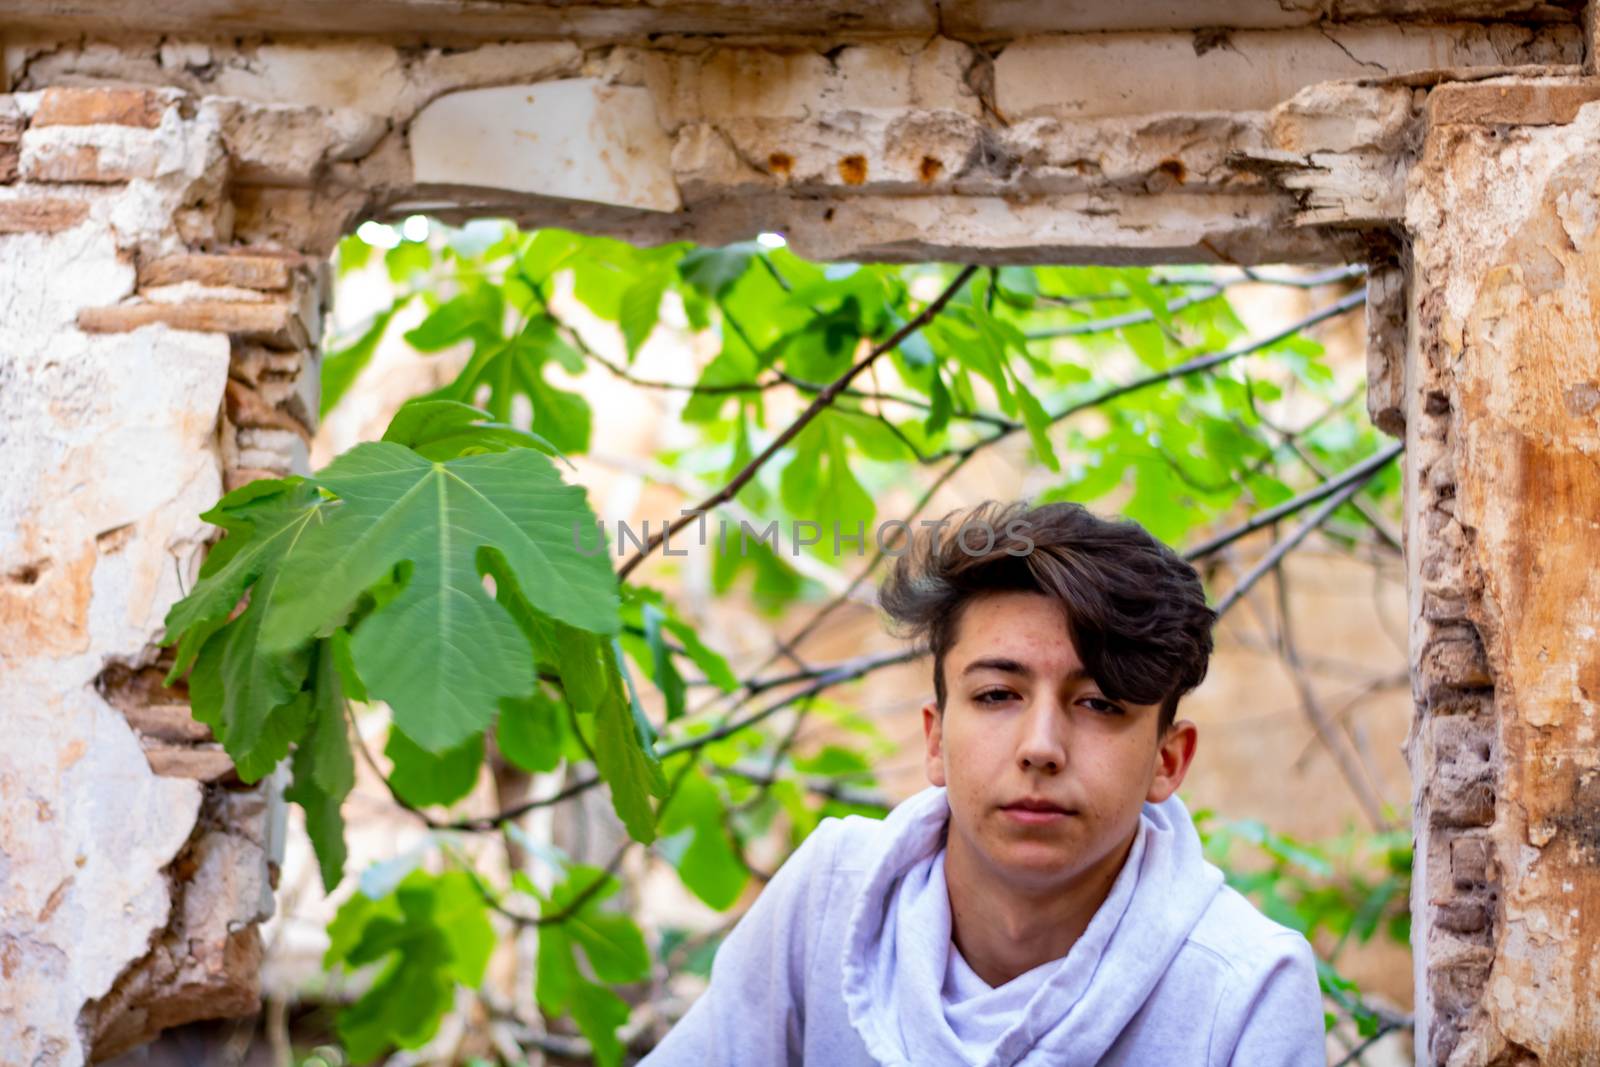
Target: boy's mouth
{"type": "Point", "coordinates": [1035, 810]}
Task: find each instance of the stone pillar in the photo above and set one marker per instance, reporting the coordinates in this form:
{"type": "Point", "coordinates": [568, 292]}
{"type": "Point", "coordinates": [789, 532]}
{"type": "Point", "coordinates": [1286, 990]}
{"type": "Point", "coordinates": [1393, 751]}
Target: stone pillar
{"type": "Point", "coordinates": [1502, 420]}
{"type": "Point", "coordinates": [153, 352]}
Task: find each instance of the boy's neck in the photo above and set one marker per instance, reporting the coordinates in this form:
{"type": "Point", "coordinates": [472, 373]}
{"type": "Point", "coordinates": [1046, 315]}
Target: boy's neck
{"type": "Point", "coordinates": [1003, 930]}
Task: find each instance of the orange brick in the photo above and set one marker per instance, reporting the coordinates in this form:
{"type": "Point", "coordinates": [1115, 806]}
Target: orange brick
{"type": "Point", "coordinates": [166, 722]}
{"type": "Point", "coordinates": [233, 479]}
{"type": "Point", "coordinates": [41, 214]}
{"type": "Point", "coordinates": [266, 273]}
{"type": "Point", "coordinates": [269, 322]}
{"type": "Point", "coordinates": [247, 408]}
{"type": "Point", "coordinates": [72, 163]}
{"type": "Point", "coordinates": [1514, 104]}
{"type": "Point", "coordinates": [89, 107]}
{"type": "Point", "coordinates": [173, 761]}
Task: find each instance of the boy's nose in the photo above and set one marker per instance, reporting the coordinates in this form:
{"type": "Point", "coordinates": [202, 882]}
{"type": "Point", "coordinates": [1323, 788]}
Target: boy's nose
{"type": "Point", "coordinates": [1043, 746]}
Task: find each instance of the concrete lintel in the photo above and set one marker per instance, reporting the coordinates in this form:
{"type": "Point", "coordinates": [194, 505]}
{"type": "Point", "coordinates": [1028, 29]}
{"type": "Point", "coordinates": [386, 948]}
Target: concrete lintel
{"type": "Point", "coordinates": [575, 139]}
{"type": "Point", "coordinates": [612, 20]}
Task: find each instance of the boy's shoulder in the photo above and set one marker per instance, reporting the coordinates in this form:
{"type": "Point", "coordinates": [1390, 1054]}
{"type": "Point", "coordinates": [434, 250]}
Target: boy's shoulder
{"type": "Point", "coordinates": [844, 844]}
{"type": "Point", "coordinates": [1243, 940]}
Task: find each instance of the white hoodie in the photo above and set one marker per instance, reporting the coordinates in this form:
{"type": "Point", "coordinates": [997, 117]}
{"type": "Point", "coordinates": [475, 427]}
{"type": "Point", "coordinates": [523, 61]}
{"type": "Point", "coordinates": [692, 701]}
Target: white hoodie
{"type": "Point", "coordinates": [846, 959]}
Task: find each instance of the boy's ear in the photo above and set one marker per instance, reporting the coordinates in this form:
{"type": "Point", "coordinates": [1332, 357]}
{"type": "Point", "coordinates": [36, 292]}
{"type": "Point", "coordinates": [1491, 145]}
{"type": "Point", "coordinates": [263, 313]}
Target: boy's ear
{"type": "Point", "coordinates": [1174, 755]}
{"type": "Point", "coordinates": [933, 736]}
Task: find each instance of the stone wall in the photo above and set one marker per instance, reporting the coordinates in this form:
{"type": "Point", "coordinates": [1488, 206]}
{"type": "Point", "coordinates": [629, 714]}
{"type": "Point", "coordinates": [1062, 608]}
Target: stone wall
{"type": "Point", "coordinates": [1503, 487]}
{"type": "Point", "coordinates": [148, 364]}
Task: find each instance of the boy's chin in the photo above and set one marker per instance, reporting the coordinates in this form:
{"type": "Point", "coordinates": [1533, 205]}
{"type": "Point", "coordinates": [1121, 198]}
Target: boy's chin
{"type": "Point", "coordinates": [1034, 865]}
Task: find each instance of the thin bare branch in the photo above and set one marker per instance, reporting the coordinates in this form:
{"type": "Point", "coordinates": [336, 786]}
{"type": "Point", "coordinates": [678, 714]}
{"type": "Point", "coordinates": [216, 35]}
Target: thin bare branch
{"type": "Point", "coordinates": [1359, 474]}
{"type": "Point", "coordinates": [1385, 1028]}
{"type": "Point", "coordinates": [1351, 487]}
{"type": "Point", "coordinates": [816, 407]}
{"type": "Point", "coordinates": [1355, 771]}
{"type": "Point", "coordinates": [823, 787]}
{"type": "Point", "coordinates": [1131, 318]}
{"type": "Point", "coordinates": [1245, 276]}
{"type": "Point", "coordinates": [823, 679]}
{"type": "Point", "coordinates": [1188, 367]}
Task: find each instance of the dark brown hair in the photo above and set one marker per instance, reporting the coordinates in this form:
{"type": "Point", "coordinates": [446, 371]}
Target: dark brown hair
{"type": "Point", "coordinates": [1135, 610]}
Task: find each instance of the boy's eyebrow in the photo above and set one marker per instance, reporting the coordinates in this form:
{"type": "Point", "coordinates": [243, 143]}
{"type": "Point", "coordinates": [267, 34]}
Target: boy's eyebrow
{"type": "Point", "coordinates": [1007, 665]}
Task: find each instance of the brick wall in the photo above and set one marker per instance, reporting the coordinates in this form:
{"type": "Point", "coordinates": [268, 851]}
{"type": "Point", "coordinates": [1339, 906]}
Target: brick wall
{"type": "Point", "coordinates": [156, 352]}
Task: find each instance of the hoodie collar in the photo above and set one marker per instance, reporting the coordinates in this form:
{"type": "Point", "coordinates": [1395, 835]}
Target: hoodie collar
{"type": "Point", "coordinates": [897, 946]}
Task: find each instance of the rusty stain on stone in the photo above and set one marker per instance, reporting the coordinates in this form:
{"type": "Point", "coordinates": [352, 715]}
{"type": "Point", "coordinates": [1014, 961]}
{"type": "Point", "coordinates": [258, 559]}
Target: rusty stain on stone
{"type": "Point", "coordinates": [57, 895]}
{"type": "Point", "coordinates": [28, 573]}
{"type": "Point", "coordinates": [71, 754]}
{"type": "Point", "coordinates": [853, 169]}
{"type": "Point", "coordinates": [111, 541]}
{"type": "Point", "coordinates": [780, 164]}
{"type": "Point", "coordinates": [1527, 482]}
{"type": "Point", "coordinates": [930, 168]}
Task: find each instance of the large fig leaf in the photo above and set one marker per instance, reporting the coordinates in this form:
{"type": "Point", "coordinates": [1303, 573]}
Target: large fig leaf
{"type": "Point", "coordinates": [441, 651]}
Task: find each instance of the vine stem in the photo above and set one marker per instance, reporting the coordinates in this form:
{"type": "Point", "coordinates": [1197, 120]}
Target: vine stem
{"type": "Point", "coordinates": [816, 407]}
{"type": "Point", "coordinates": [1190, 366]}
{"type": "Point", "coordinates": [1357, 475]}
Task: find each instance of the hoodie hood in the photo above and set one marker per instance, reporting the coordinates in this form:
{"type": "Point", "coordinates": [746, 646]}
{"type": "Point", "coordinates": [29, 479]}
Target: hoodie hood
{"type": "Point", "coordinates": [897, 947]}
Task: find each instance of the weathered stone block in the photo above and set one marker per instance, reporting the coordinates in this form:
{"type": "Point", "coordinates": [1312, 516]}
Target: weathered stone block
{"type": "Point", "coordinates": [579, 139]}
{"type": "Point", "coordinates": [167, 722]}
{"type": "Point", "coordinates": [267, 273]}
{"type": "Point", "coordinates": [287, 381]}
{"type": "Point", "coordinates": [1443, 608]}
{"type": "Point", "coordinates": [287, 145]}
{"type": "Point", "coordinates": [206, 963]}
{"type": "Point", "coordinates": [89, 107]}
{"type": "Point", "coordinates": [73, 163]}
{"type": "Point", "coordinates": [1518, 103]}
{"type": "Point", "coordinates": [1456, 983]}
{"type": "Point", "coordinates": [41, 214]}
{"type": "Point", "coordinates": [1462, 916]}
{"type": "Point", "coordinates": [207, 764]}
{"type": "Point", "coordinates": [247, 408]}
{"type": "Point", "coordinates": [11, 127]}
{"type": "Point", "coordinates": [1455, 657]}
{"type": "Point", "coordinates": [99, 154]}
{"type": "Point", "coordinates": [282, 451]}
{"type": "Point", "coordinates": [1097, 74]}
{"type": "Point", "coordinates": [1469, 862]}
{"type": "Point", "coordinates": [1459, 770]}
{"type": "Point", "coordinates": [238, 476]}
{"type": "Point", "coordinates": [1463, 803]}
{"type": "Point", "coordinates": [270, 322]}
{"type": "Point", "coordinates": [305, 219]}
{"type": "Point", "coordinates": [1342, 116]}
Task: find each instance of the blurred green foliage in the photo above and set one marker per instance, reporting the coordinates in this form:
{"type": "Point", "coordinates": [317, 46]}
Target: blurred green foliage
{"type": "Point", "coordinates": [1138, 389]}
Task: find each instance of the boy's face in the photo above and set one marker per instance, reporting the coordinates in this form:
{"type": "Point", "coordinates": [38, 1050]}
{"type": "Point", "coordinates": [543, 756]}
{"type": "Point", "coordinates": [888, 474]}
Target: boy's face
{"type": "Point", "coordinates": [1023, 723]}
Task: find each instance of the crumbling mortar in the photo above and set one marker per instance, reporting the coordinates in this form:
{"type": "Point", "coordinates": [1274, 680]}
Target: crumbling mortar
{"type": "Point", "coordinates": [1456, 738]}
{"type": "Point", "coordinates": [21, 79]}
{"type": "Point", "coordinates": [122, 1018]}
{"type": "Point", "coordinates": [979, 79]}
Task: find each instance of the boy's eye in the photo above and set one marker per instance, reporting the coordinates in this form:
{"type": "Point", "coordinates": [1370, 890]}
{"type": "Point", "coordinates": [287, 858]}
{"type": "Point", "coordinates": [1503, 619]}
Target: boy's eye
{"type": "Point", "coordinates": [1105, 707]}
{"type": "Point", "coordinates": [992, 696]}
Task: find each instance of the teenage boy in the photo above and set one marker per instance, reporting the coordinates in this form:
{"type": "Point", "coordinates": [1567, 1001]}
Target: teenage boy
{"type": "Point", "coordinates": [1045, 902]}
